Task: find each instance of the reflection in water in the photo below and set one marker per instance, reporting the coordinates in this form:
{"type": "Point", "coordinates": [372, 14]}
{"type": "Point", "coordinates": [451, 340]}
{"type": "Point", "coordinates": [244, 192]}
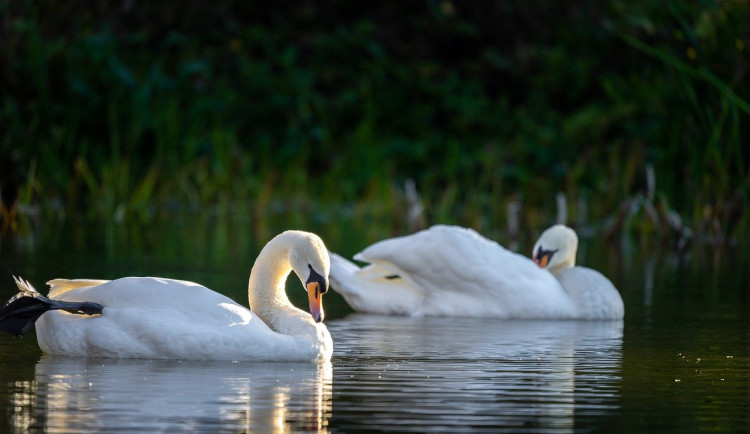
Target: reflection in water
{"type": "Point", "coordinates": [403, 373]}
{"type": "Point", "coordinates": [389, 373]}
{"type": "Point", "coordinates": [78, 394]}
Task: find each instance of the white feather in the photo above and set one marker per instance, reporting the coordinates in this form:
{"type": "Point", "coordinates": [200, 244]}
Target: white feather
{"type": "Point", "coordinates": [58, 287]}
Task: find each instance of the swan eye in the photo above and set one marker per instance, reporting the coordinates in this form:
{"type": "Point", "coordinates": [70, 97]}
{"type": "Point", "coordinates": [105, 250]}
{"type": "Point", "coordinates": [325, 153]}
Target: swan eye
{"type": "Point", "coordinates": [317, 278]}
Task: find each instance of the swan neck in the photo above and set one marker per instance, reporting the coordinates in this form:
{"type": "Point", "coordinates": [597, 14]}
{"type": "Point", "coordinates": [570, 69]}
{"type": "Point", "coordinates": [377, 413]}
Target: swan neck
{"type": "Point", "coordinates": [566, 258]}
{"type": "Point", "coordinates": [562, 265]}
{"type": "Point", "coordinates": [266, 288]}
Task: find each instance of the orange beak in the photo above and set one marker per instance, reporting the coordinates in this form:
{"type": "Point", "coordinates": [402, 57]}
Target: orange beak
{"type": "Point", "coordinates": [542, 262]}
{"type": "Point", "coordinates": [316, 301]}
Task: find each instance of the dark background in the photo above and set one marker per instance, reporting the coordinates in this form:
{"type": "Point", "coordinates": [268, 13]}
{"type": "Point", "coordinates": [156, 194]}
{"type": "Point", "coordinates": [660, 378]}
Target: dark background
{"type": "Point", "coordinates": [132, 110]}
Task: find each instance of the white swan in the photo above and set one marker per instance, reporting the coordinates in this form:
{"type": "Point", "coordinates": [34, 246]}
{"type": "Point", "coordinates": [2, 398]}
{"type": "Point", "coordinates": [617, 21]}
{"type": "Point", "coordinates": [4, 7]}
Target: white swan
{"type": "Point", "coordinates": [595, 295]}
{"type": "Point", "coordinates": [149, 317]}
{"type": "Point", "coordinates": [453, 271]}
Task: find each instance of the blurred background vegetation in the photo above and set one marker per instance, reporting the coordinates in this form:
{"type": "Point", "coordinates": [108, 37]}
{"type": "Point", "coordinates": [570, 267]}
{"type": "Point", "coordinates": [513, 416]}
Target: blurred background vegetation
{"type": "Point", "coordinates": [637, 112]}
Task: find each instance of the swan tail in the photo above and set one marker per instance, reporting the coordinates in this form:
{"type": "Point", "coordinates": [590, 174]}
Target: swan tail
{"type": "Point", "coordinates": [24, 308]}
{"type": "Point", "coordinates": [25, 289]}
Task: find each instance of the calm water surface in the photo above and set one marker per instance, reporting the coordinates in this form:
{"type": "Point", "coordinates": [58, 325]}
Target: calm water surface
{"type": "Point", "coordinates": [680, 361]}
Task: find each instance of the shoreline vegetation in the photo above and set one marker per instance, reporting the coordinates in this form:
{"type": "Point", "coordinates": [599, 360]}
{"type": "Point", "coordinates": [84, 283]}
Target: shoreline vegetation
{"type": "Point", "coordinates": [628, 117]}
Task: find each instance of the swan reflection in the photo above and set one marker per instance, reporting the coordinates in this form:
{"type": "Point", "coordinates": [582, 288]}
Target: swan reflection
{"type": "Point", "coordinates": [469, 373]}
{"type": "Point", "coordinates": [78, 394]}
{"type": "Point", "coordinates": [392, 373]}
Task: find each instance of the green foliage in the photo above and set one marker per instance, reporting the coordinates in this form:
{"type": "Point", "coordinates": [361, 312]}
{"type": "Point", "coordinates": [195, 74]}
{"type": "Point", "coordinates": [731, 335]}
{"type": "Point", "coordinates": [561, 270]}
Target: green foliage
{"type": "Point", "coordinates": [132, 111]}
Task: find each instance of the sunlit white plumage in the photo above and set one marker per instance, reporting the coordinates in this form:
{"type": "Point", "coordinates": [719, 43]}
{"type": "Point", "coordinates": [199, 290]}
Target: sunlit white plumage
{"type": "Point", "coordinates": [150, 317]}
{"type": "Point", "coordinates": [451, 271]}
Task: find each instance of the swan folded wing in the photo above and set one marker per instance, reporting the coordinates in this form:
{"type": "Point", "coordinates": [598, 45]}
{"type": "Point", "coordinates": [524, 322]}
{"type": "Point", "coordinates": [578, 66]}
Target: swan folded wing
{"type": "Point", "coordinates": [61, 286]}
{"type": "Point", "coordinates": [214, 331]}
{"type": "Point", "coordinates": [439, 258]}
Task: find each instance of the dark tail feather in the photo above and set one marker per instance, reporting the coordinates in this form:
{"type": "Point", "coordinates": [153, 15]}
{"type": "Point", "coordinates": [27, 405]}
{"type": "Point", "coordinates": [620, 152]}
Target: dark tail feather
{"type": "Point", "coordinates": [21, 311]}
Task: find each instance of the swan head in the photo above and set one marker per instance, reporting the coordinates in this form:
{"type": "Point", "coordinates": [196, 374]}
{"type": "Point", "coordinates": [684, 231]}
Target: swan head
{"type": "Point", "coordinates": [556, 248]}
{"type": "Point", "coordinates": [311, 263]}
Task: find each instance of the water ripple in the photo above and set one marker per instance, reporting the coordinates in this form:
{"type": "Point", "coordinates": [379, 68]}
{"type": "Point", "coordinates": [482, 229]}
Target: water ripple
{"type": "Point", "coordinates": [413, 374]}
{"type": "Point", "coordinates": [387, 374]}
{"type": "Point", "coordinates": [82, 395]}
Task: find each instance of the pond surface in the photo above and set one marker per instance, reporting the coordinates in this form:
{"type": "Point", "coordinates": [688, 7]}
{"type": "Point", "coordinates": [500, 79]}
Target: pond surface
{"type": "Point", "coordinates": [680, 361]}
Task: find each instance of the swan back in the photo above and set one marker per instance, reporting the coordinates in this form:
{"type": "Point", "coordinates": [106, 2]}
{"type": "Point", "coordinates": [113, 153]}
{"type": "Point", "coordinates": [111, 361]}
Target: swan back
{"type": "Point", "coordinates": [429, 257]}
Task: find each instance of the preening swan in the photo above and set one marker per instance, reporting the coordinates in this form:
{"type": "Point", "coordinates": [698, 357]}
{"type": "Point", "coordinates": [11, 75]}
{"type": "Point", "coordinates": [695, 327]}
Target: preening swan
{"type": "Point", "coordinates": [151, 317]}
{"type": "Point", "coordinates": [453, 271]}
{"type": "Point", "coordinates": [594, 294]}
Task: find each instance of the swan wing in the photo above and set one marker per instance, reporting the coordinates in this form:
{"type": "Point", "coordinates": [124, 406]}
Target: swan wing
{"type": "Point", "coordinates": [435, 258]}
{"type": "Point", "coordinates": [61, 286]}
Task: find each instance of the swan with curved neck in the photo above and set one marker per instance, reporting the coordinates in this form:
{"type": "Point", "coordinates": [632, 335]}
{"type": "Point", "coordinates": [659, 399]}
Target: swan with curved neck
{"type": "Point", "coordinates": [150, 317]}
{"type": "Point", "coordinates": [290, 251]}
{"type": "Point", "coordinates": [594, 294]}
{"type": "Point", "coordinates": [454, 271]}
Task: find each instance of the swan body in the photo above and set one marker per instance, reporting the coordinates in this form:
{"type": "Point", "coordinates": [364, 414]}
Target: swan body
{"type": "Point", "coordinates": [448, 271]}
{"type": "Point", "coordinates": [151, 317]}
{"type": "Point", "coordinates": [453, 271]}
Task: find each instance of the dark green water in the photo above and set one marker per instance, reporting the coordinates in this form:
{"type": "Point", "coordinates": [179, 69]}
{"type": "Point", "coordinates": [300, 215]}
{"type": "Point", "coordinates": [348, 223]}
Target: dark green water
{"type": "Point", "coordinates": [680, 361]}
